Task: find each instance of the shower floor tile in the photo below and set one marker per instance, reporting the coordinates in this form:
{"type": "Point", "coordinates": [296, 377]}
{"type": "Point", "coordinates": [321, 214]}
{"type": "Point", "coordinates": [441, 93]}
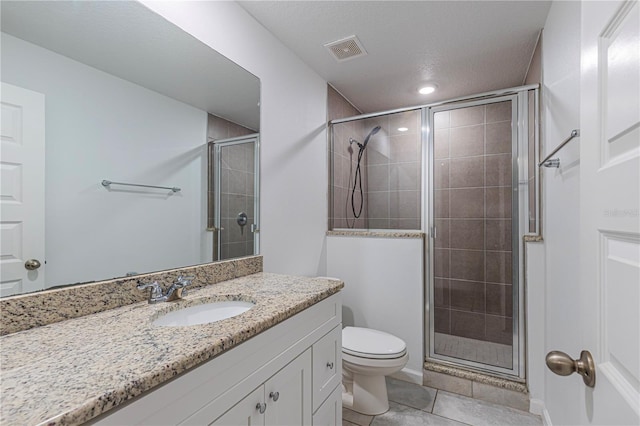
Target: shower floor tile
{"type": "Point", "coordinates": [474, 350]}
{"type": "Point", "coordinates": [438, 408]}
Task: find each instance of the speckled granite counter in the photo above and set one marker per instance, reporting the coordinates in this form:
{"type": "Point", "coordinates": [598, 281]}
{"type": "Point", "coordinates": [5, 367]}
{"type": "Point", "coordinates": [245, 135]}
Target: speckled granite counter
{"type": "Point", "coordinates": [30, 310]}
{"type": "Point", "coordinates": [71, 371]}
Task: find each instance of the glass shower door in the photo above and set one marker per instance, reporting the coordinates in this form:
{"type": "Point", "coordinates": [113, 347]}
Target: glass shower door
{"type": "Point", "coordinates": [235, 200]}
{"type": "Point", "coordinates": [474, 255]}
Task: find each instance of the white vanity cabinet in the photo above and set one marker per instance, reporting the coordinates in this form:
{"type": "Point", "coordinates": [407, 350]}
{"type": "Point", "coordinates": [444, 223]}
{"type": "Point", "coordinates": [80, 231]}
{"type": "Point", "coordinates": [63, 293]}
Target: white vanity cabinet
{"type": "Point", "coordinates": [289, 374]}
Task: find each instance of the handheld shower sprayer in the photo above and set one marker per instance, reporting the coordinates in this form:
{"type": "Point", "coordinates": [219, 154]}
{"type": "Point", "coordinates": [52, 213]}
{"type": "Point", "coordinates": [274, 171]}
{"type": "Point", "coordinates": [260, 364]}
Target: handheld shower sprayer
{"type": "Point", "coordinates": [366, 140]}
{"type": "Point", "coordinates": [371, 133]}
{"type": "Point", "coordinates": [357, 181]}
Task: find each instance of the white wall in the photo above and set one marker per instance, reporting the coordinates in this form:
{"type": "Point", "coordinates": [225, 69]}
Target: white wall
{"type": "Point", "coordinates": [292, 131]}
{"type": "Point", "coordinates": [102, 127]}
{"type": "Point", "coordinates": [558, 306]}
{"type": "Point", "coordinates": [383, 288]}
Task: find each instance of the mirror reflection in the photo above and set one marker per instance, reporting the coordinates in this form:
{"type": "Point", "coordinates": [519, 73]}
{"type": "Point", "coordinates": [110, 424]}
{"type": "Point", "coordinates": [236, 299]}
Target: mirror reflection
{"type": "Point", "coordinates": [95, 91]}
{"type": "Point", "coordinates": [234, 199]}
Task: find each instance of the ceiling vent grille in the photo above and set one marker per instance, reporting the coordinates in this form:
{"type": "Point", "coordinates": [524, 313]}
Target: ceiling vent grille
{"type": "Point", "coordinates": [346, 48]}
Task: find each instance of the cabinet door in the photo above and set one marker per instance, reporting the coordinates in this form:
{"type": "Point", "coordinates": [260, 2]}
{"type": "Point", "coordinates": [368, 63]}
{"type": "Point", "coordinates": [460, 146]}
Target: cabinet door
{"type": "Point", "coordinates": [330, 413]}
{"type": "Point", "coordinates": [288, 394]}
{"type": "Point", "coordinates": [246, 412]}
{"type": "Point", "coordinates": [327, 365]}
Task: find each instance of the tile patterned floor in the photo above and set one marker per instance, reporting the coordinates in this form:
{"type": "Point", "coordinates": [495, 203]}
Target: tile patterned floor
{"type": "Point", "coordinates": [411, 404]}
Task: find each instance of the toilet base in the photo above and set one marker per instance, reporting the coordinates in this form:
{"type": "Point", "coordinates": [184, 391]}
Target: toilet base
{"type": "Point", "coordinates": [365, 394]}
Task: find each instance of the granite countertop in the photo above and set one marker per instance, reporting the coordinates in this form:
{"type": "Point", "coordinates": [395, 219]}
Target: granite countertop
{"type": "Point", "coordinates": [71, 371]}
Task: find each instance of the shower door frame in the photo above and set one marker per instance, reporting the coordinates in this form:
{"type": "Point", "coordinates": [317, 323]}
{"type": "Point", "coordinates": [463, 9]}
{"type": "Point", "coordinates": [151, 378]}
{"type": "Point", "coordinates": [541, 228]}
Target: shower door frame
{"type": "Point", "coordinates": [519, 202]}
{"type": "Point", "coordinates": [217, 178]}
{"type": "Point", "coordinates": [522, 127]}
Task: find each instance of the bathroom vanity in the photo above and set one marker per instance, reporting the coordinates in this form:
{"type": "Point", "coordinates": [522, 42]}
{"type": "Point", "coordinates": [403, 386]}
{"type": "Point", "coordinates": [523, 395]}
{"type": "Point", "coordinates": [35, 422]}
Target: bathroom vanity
{"type": "Point", "coordinates": [277, 363]}
{"type": "Point", "coordinates": [287, 375]}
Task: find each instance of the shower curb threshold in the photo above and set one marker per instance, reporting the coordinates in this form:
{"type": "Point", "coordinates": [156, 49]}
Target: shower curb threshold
{"type": "Point", "coordinates": [477, 377]}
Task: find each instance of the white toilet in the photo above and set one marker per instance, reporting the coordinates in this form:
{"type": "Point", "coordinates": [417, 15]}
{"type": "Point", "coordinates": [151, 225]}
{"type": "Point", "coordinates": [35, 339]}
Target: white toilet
{"type": "Point", "coordinates": [367, 357]}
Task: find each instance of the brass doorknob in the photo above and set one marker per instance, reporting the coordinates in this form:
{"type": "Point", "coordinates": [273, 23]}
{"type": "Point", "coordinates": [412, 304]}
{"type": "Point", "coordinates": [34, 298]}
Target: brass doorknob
{"type": "Point", "coordinates": [32, 264]}
{"type": "Point", "coordinates": [563, 365]}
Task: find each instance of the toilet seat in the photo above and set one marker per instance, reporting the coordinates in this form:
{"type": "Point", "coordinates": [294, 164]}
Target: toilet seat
{"type": "Point", "coordinates": [371, 344]}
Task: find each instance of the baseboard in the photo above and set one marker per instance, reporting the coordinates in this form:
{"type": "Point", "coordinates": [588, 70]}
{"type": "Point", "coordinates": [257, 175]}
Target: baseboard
{"type": "Point", "coordinates": [409, 375]}
{"type": "Point", "coordinates": [536, 406]}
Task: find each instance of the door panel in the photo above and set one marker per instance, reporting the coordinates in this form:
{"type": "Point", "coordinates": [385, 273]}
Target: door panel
{"type": "Point", "coordinates": [609, 205]}
{"type": "Point", "coordinates": [245, 412]}
{"type": "Point", "coordinates": [330, 412]}
{"type": "Point", "coordinates": [475, 281]}
{"type": "Point", "coordinates": [22, 189]}
{"type": "Point", "coordinates": [292, 405]}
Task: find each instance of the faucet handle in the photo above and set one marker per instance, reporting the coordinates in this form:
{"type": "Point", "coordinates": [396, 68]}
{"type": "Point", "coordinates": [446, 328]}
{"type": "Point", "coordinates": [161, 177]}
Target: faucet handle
{"type": "Point", "coordinates": [156, 290]}
{"type": "Point", "coordinates": [183, 281]}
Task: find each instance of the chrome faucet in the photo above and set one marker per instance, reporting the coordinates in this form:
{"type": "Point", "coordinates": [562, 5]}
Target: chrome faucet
{"type": "Point", "coordinates": [175, 292]}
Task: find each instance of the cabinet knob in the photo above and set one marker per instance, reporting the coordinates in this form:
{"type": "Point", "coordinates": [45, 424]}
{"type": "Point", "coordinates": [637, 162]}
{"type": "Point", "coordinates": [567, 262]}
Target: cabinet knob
{"type": "Point", "coordinates": [274, 395]}
{"type": "Point", "coordinates": [261, 407]}
{"type": "Point", "coordinates": [330, 365]}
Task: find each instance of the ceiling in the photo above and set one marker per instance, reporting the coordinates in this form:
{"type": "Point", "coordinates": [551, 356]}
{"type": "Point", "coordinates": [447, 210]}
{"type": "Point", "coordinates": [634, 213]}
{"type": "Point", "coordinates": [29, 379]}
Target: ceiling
{"type": "Point", "coordinates": [464, 47]}
{"type": "Point", "coordinates": [129, 41]}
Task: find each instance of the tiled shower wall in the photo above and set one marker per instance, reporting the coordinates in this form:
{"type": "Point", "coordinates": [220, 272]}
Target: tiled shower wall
{"type": "Point", "coordinates": [345, 157]}
{"type": "Point", "coordinates": [473, 248]}
{"type": "Point", "coordinates": [236, 187]}
{"type": "Point", "coordinates": [391, 168]}
{"type": "Point", "coordinates": [394, 171]}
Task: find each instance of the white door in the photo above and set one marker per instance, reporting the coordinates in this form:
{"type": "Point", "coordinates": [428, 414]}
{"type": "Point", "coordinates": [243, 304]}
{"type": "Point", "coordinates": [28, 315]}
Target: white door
{"type": "Point", "coordinates": [22, 190]}
{"type": "Point", "coordinates": [609, 203]}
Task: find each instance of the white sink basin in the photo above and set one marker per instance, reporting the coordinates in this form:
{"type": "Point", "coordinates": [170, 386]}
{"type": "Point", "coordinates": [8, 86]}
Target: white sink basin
{"type": "Point", "coordinates": [203, 314]}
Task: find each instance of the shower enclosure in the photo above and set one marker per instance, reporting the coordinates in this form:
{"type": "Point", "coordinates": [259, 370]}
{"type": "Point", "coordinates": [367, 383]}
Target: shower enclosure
{"type": "Point", "coordinates": [233, 196]}
{"type": "Point", "coordinates": [467, 177]}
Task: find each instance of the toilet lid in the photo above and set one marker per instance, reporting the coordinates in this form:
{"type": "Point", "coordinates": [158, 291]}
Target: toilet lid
{"type": "Point", "coordinates": [368, 343]}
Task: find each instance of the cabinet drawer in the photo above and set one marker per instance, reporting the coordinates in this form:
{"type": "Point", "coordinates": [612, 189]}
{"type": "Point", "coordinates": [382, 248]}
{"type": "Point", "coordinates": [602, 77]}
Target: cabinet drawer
{"type": "Point", "coordinates": [327, 365]}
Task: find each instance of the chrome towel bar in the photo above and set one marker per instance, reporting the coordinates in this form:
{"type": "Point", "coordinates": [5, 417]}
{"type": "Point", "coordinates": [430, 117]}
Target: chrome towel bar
{"type": "Point", "coordinates": [108, 183]}
{"type": "Point", "coordinates": [555, 162]}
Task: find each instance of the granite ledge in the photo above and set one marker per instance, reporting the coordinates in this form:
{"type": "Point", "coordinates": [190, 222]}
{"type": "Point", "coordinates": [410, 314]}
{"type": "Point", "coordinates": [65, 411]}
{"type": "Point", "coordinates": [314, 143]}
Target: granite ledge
{"type": "Point", "coordinates": [100, 369]}
{"type": "Point", "coordinates": [376, 234]}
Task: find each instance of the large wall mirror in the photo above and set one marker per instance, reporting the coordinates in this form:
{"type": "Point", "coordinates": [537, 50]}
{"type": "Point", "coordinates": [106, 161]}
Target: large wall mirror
{"type": "Point", "coordinates": [95, 91]}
